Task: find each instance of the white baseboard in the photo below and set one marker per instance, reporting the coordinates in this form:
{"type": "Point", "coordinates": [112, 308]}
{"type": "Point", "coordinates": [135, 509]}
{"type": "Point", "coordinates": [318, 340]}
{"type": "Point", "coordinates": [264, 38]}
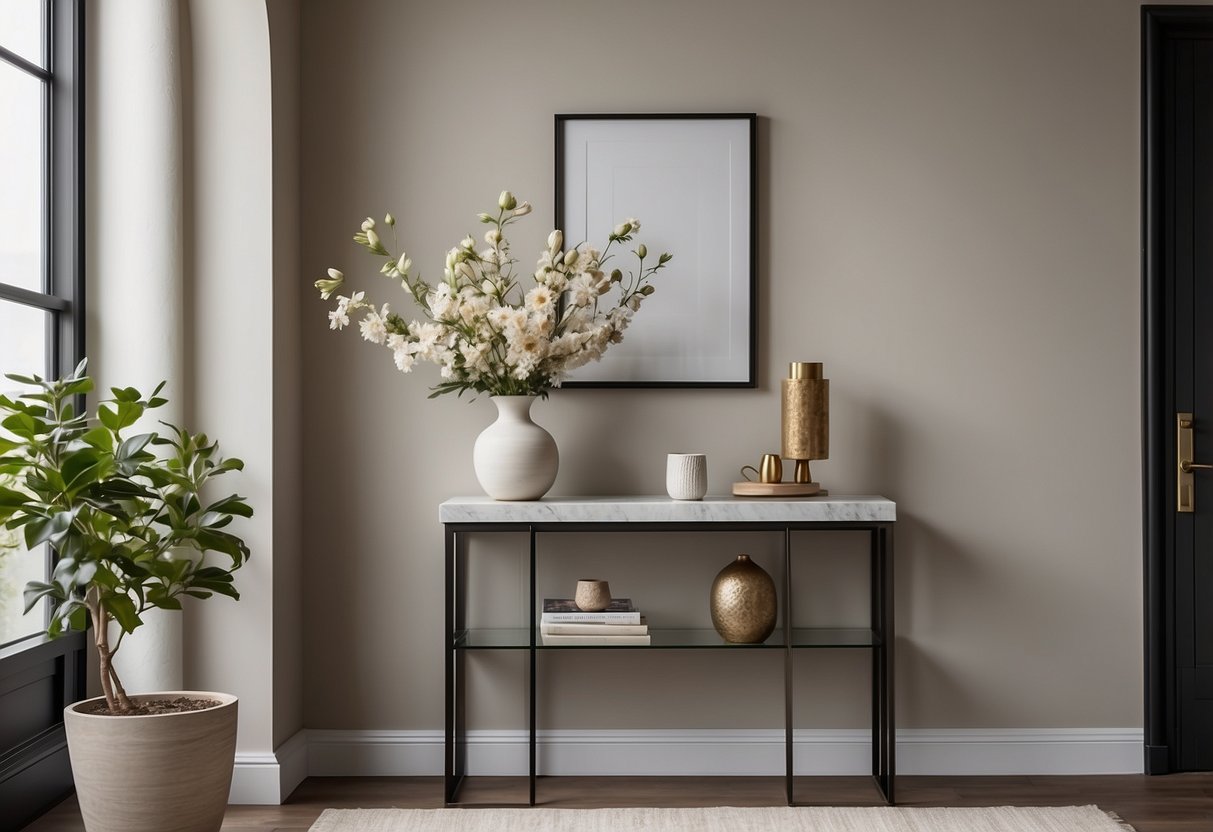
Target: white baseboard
{"type": "Point", "coordinates": [736, 753]}
{"type": "Point", "coordinates": [268, 779]}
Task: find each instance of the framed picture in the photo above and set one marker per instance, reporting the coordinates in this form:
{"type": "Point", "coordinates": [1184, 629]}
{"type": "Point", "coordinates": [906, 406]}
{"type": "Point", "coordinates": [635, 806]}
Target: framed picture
{"type": "Point", "coordinates": [690, 180]}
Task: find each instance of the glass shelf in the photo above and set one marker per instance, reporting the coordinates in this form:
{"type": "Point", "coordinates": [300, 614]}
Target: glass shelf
{"type": "Point", "coordinates": [518, 638]}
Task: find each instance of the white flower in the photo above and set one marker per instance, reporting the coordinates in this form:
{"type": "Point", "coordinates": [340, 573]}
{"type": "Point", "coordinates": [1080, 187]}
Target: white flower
{"type": "Point", "coordinates": [632, 221]}
{"type": "Point", "coordinates": [374, 326]}
{"type": "Point", "coordinates": [555, 241]}
{"type": "Point", "coordinates": [440, 301]}
{"type": "Point", "coordinates": [522, 210]}
{"type": "Point", "coordinates": [540, 299]}
{"type": "Point", "coordinates": [474, 355]}
{"type": "Point", "coordinates": [499, 316]}
{"type": "Point", "coordinates": [467, 244]}
{"type": "Point", "coordinates": [339, 318]}
{"type": "Point", "coordinates": [493, 236]}
{"type": "Point", "coordinates": [368, 224]}
{"type": "Point", "coordinates": [399, 346]}
{"type": "Point", "coordinates": [579, 292]}
{"type": "Point", "coordinates": [389, 220]}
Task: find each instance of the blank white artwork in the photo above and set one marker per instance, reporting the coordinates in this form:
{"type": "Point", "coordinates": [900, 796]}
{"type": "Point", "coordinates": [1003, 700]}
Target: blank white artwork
{"type": "Point", "coordinates": [688, 182]}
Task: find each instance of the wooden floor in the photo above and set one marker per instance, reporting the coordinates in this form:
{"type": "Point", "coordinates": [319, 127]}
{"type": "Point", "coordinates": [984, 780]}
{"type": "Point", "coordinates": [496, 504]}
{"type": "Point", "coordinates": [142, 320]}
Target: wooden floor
{"type": "Point", "coordinates": [1175, 803]}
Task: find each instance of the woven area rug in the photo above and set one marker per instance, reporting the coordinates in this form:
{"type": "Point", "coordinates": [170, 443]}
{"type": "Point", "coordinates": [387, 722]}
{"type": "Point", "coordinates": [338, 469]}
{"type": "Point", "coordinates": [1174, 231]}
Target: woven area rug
{"type": "Point", "coordinates": [764, 819]}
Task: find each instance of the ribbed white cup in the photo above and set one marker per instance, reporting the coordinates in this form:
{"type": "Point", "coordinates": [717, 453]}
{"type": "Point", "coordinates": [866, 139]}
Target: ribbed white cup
{"type": "Point", "coordinates": [686, 476]}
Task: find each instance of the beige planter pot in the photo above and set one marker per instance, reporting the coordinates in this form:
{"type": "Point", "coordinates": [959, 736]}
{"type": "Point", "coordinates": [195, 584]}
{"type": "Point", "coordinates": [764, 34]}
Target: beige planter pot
{"type": "Point", "coordinates": [154, 773]}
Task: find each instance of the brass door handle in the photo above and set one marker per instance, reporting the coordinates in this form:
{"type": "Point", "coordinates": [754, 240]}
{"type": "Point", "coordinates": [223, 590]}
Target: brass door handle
{"type": "Point", "coordinates": [1185, 482]}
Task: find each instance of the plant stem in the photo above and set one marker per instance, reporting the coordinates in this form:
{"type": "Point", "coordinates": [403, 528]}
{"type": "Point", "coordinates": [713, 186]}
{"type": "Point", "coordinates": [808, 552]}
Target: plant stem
{"type": "Point", "coordinates": [101, 639]}
{"type": "Point", "coordinates": [115, 695]}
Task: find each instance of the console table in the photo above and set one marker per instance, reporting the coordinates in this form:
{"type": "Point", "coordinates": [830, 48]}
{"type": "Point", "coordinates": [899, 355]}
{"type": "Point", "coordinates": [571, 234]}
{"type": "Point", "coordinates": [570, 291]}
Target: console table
{"type": "Point", "coordinates": [874, 515]}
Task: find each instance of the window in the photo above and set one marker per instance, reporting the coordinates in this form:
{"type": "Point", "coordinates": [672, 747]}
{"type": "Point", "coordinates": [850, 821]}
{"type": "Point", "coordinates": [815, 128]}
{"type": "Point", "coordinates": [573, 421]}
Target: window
{"type": "Point", "coordinates": [40, 254]}
{"type": "Point", "coordinates": [41, 331]}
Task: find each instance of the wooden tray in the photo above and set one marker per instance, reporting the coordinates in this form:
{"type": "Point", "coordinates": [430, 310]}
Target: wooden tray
{"type": "Point", "coordinates": [778, 489]}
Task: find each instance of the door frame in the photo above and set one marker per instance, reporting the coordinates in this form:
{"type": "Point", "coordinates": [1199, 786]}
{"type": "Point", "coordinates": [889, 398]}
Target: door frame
{"type": "Point", "coordinates": [1158, 24]}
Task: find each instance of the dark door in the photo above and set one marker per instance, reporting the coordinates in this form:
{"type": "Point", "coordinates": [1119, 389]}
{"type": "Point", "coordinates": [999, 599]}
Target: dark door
{"type": "Point", "coordinates": [1178, 398]}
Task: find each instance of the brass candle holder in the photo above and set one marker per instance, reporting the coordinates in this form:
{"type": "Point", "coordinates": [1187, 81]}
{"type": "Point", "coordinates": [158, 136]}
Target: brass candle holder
{"type": "Point", "coordinates": [805, 417]}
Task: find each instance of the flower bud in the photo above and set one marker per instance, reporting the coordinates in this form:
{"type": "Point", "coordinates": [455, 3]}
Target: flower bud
{"type": "Point", "coordinates": [621, 230]}
{"type": "Point", "coordinates": [493, 236]}
{"type": "Point", "coordinates": [372, 242]}
{"type": "Point", "coordinates": [487, 286]}
{"type": "Point", "coordinates": [506, 201]}
{"type": "Point", "coordinates": [570, 257]}
{"type": "Point", "coordinates": [467, 243]}
{"type": "Point", "coordinates": [523, 209]}
{"type": "Point", "coordinates": [327, 287]}
{"type": "Point", "coordinates": [389, 220]}
{"type": "Point", "coordinates": [368, 224]}
{"type": "Point", "coordinates": [642, 250]}
{"type": "Point", "coordinates": [616, 276]}
{"type": "Point", "coordinates": [647, 290]}
{"type": "Point", "coordinates": [555, 241]}
{"type": "Point", "coordinates": [665, 258]}
{"type": "Point", "coordinates": [404, 263]}
{"type": "Point", "coordinates": [450, 259]}
{"type": "Point", "coordinates": [485, 218]}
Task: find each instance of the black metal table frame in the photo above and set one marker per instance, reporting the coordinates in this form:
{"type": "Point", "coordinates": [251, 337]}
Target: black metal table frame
{"type": "Point", "coordinates": [882, 642]}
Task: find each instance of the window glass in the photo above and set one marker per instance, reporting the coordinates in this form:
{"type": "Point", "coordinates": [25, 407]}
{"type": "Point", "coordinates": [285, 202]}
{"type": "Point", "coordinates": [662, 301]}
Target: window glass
{"type": "Point", "coordinates": [18, 566]}
{"type": "Point", "coordinates": [23, 332]}
{"type": "Point", "coordinates": [22, 29]}
{"type": "Point", "coordinates": [21, 198]}
{"type": "Point", "coordinates": [23, 336]}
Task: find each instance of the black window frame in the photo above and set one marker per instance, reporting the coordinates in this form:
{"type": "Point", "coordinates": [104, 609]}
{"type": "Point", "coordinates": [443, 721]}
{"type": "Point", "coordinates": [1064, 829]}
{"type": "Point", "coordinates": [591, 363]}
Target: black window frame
{"type": "Point", "coordinates": [38, 676]}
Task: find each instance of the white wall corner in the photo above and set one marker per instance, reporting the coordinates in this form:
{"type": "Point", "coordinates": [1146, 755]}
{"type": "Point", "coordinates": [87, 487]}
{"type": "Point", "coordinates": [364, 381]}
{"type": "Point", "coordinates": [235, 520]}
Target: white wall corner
{"type": "Point", "coordinates": [268, 779]}
{"type": "Point", "coordinates": [737, 753]}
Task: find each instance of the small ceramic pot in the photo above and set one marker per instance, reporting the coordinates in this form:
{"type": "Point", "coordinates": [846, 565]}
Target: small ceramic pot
{"type": "Point", "coordinates": [686, 476]}
{"type": "Point", "coordinates": [592, 595]}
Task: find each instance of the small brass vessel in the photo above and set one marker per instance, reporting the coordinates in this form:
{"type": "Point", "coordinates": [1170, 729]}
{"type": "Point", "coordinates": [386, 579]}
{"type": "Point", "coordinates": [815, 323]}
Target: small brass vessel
{"type": "Point", "coordinates": [743, 602]}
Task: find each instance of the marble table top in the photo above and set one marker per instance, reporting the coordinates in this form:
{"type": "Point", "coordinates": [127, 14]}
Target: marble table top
{"type": "Point", "coordinates": [662, 509]}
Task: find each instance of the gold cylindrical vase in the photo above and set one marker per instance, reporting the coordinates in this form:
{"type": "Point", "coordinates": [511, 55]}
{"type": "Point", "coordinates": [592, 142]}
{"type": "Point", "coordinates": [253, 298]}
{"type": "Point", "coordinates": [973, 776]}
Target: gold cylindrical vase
{"type": "Point", "coordinates": [805, 416]}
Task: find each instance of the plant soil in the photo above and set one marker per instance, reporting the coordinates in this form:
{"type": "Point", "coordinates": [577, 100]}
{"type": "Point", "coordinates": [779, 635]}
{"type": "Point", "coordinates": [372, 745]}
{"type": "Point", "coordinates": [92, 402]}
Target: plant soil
{"type": "Point", "coordinates": [148, 707]}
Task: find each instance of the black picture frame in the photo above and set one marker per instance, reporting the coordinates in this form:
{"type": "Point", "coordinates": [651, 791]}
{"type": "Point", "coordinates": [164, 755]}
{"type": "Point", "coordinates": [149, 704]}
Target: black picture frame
{"type": "Point", "coordinates": [684, 365]}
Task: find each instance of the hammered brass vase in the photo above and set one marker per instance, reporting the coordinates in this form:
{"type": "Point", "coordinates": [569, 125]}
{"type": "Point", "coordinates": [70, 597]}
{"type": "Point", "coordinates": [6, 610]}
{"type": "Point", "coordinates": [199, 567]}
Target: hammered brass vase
{"type": "Point", "coordinates": [743, 602]}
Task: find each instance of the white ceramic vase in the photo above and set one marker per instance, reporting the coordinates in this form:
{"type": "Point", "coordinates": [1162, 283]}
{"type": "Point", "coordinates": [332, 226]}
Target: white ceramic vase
{"type": "Point", "coordinates": [514, 458]}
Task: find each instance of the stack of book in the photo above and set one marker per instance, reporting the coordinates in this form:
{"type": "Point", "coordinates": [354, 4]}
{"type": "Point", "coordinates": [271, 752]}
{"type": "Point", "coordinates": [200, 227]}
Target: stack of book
{"type": "Point", "coordinates": [564, 625]}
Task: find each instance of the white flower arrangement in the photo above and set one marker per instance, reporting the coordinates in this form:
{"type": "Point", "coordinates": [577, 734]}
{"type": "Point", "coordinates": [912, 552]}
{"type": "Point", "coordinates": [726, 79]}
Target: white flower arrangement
{"type": "Point", "coordinates": [482, 330]}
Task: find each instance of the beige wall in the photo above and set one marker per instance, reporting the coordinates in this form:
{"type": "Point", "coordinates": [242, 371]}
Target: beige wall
{"type": "Point", "coordinates": [241, 355]}
{"type": "Point", "coordinates": [287, 373]}
{"type": "Point", "coordinates": [948, 200]}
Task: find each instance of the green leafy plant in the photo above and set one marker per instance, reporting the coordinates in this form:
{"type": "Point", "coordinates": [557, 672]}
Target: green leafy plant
{"type": "Point", "coordinates": [129, 526]}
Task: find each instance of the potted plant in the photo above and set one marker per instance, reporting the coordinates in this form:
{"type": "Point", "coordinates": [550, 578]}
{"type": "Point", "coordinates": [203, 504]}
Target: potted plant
{"type": "Point", "coordinates": [131, 531]}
